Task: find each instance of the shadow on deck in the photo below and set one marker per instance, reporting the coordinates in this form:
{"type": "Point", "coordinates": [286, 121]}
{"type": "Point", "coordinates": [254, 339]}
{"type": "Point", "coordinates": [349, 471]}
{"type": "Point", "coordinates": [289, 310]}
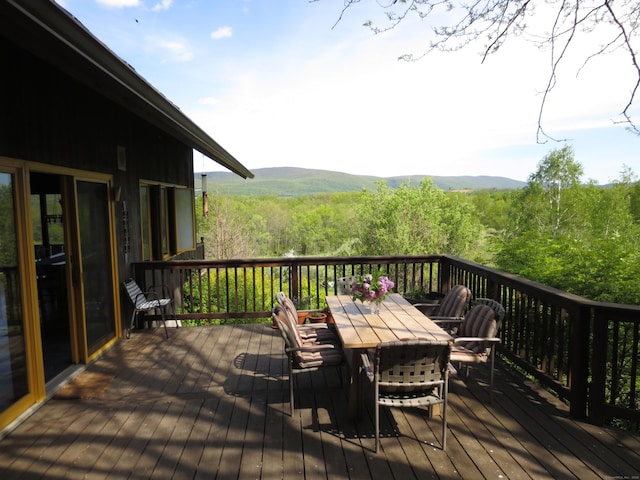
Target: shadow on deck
{"type": "Point", "coordinates": [211, 402]}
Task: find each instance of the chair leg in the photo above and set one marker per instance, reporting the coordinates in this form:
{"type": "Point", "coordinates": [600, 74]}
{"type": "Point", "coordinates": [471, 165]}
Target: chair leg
{"type": "Point", "coordinates": [172, 314]}
{"type": "Point", "coordinates": [133, 320]}
{"type": "Point", "coordinates": [377, 419]}
{"type": "Point", "coordinates": [493, 361]}
{"type": "Point", "coordinates": [291, 399]}
{"type": "Point", "coordinates": [445, 393]}
{"type": "Point", "coordinates": [164, 322]}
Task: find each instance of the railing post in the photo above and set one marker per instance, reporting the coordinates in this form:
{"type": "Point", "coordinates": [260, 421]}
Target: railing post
{"type": "Point", "coordinates": [493, 290]}
{"type": "Point", "coordinates": [597, 389]}
{"type": "Point", "coordinates": [444, 272]}
{"type": "Point", "coordinates": [295, 281]}
{"type": "Point", "coordinates": [579, 358]}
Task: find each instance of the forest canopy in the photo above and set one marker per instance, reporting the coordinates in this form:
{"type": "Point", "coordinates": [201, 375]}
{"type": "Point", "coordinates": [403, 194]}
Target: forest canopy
{"type": "Point", "coordinates": [557, 230]}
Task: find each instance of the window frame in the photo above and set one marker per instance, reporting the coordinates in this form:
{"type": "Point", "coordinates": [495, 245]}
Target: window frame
{"type": "Point", "coordinates": [170, 214]}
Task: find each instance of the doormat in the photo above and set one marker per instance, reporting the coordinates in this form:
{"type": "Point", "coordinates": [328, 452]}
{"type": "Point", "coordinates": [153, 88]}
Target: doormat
{"type": "Point", "coordinates": [85, 386]}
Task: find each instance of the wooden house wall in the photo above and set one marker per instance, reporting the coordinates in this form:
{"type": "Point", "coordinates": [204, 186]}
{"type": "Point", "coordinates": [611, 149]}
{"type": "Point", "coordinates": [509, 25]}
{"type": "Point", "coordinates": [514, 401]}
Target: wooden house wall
{"type": "Point", "coordinates": [47, 116]}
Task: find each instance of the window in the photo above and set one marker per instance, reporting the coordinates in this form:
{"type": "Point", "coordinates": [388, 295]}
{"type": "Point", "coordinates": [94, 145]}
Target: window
{"type": "Point", "coordinates": [163, 213]}
{"type": "Point", "coordinates": [167, 220]}
{"type": "Point", "coordinates": [145, 222]}
{"type": "Point", "coordinates": [185, 220]}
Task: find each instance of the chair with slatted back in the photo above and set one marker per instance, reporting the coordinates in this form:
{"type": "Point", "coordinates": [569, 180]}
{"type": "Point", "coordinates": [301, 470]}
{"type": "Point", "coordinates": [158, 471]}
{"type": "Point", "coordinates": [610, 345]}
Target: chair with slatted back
{"type": "Point", "coordinates": [304, 355]}
{"type": "Point", "coordinates": [497, 307]}
{"type": "Point", "coordinates": [409, 373]}
{"type": "Point", "coordinates": [452, 306]}
{"type": "Point", "coordinates": [476, 338]}
{"type": "Point", "coordinates": [308, 332]}
{"type": "Point", "coordinates": [144, 302]}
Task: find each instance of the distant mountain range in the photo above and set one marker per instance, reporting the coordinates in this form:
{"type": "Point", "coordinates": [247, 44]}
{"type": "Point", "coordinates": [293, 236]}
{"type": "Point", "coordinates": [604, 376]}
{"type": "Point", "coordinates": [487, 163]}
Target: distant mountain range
{"type": "Point", "coordinates": [292, 182]}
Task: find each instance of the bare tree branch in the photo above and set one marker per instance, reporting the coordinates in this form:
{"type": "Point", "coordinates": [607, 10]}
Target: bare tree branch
{"type": "Point", "coordinates": [634, 61]}
{"type": "Point", "coordinates": [496, 21]}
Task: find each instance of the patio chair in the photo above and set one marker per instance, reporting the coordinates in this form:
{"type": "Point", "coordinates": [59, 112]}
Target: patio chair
{"type": "Point", "coordinates": [476, 337]}
{"type": "Point", "coordinates": [497, 307]}
{"type": "Point", "coordinates": [452, 306]}
{"type": "Point", "coordinates": [145, 302]}
{"type": "Point", "coordinates": [409, 373]}
{"type": "Point", "coordinates": [309, 332]}
{"type": "Point", "coordinates": [306, 356]}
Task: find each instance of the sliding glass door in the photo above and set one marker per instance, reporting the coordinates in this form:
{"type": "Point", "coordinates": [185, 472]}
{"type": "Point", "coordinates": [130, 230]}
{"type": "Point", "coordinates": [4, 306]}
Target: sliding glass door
{"type": "Point", "coordinates": [13, 359]}
{"type": "Point", "coordinates": [95, 239]}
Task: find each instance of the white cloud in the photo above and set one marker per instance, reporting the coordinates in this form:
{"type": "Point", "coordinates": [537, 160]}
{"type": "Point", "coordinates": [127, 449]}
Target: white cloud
{"type": "Point", "coordinates": [354, 108]}
{"type": "Point", "coordinates": [177, 48]}
{"type": "Point", "coordinates": [159, 6]}
{"type": "Point", "coordinates": [208, 101]}
{"type": "Point", "coordinates": [222, 32]}
{"type": "Point", "coordinates": [119, 3]}
{"type": "Point", "coordinates": [162, 5]}
{"type": "Point", "coordinates": [309, 96]}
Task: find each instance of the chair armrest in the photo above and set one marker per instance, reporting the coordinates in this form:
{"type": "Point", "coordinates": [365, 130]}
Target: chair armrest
{"type": "Point", "coordinates": [476, 339]}
{"type": "Point", "coordinates": [147, 297]}
{"type": "Point", "coordinates": [425, 304]}
{"type": "Point", "coordinates": [311, 348]}
{"type": "Point", "coordinates": [163, 289]}
{"type": "Point", "coordinates": [439, 319]}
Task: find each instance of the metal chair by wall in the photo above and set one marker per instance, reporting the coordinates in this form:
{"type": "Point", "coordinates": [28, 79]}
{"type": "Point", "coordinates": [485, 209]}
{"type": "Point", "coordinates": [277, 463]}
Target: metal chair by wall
{"type": "Point", "coordinates": [145, 302]}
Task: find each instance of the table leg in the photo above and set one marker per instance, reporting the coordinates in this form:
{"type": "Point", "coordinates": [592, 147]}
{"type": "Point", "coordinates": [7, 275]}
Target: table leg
{"type": "Point", "coordinates": [355, 385]}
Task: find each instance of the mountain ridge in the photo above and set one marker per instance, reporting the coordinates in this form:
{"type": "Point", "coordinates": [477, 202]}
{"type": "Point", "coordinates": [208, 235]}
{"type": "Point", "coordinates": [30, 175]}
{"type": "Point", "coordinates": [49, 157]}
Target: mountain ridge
{"type": "Point", "coordinates": [296, 181]}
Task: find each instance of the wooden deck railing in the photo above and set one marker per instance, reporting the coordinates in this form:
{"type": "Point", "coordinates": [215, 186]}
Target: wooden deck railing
{"type": "Point", "coordinates": [586, 352]}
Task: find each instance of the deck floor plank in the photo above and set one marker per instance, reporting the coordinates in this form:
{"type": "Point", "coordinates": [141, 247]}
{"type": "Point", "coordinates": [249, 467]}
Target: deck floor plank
{"type": "Point", "coordinates": [491, 447]}
{"type": "Point", "coordinates": [195, 444]}
{"type": "Point", "coordinates": [49, 462]}
{"type": "Point", "coordinates": [212, 402]}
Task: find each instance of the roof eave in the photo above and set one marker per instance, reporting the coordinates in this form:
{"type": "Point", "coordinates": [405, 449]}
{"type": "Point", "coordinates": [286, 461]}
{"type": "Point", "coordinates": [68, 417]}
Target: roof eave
{"type": "Point", "coordinates": [50, 27]}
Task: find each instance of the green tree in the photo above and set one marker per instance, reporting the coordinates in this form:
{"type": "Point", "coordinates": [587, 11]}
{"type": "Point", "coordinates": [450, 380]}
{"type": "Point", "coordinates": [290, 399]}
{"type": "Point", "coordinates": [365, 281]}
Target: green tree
{"type": "Point", "coordinates": [578, 238]}
{"type": "Point", "coordinates": [491, 208]}
{"type": "Point", "coordinates": [547, 203]}
{"type": "Point", "coordinates": [415, 220]}
{"type": "Point", "coordinates": [226, 230]}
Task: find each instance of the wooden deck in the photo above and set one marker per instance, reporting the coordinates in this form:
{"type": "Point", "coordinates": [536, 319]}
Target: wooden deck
{"type": "Point", "coordinates": [211, 402]}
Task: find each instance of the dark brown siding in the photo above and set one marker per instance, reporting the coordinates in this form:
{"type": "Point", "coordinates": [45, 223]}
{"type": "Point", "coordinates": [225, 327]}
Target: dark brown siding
{"type": "Point", "coordinates": [47, 116]}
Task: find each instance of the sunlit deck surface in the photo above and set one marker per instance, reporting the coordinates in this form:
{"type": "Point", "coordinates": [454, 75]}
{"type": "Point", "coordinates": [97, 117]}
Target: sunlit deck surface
{"type": "Point", "coordinates": [212, 402]}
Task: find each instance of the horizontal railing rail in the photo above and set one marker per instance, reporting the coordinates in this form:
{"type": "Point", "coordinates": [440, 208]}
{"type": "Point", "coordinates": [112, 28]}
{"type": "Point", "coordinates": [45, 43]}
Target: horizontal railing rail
{"type": "Point", "coordinates": [223, 289]}
{"type": "Point", "coordinates": [584, 351]}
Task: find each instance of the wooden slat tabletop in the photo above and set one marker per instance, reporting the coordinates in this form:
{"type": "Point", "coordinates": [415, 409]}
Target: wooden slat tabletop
{"type": "Point", "coordinates": [397, 320]}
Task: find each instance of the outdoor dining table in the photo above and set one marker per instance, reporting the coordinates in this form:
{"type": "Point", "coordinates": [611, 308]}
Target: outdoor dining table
{"type": "Point", "coordinates": [360, 330]}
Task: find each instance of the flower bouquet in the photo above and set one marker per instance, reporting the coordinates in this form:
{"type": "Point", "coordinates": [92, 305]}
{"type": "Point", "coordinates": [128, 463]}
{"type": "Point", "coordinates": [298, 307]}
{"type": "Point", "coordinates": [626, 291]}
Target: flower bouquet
{"type": "Point", "coordinates": [371, 288]}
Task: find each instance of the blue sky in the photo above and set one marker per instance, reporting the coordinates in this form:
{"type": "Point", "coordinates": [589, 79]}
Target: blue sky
{"type": "Point", "coordinates": [276, 85]}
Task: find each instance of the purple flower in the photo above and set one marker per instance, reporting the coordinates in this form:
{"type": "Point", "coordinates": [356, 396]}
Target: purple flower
{"type": "Point", "coordinates": [371, 287]}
